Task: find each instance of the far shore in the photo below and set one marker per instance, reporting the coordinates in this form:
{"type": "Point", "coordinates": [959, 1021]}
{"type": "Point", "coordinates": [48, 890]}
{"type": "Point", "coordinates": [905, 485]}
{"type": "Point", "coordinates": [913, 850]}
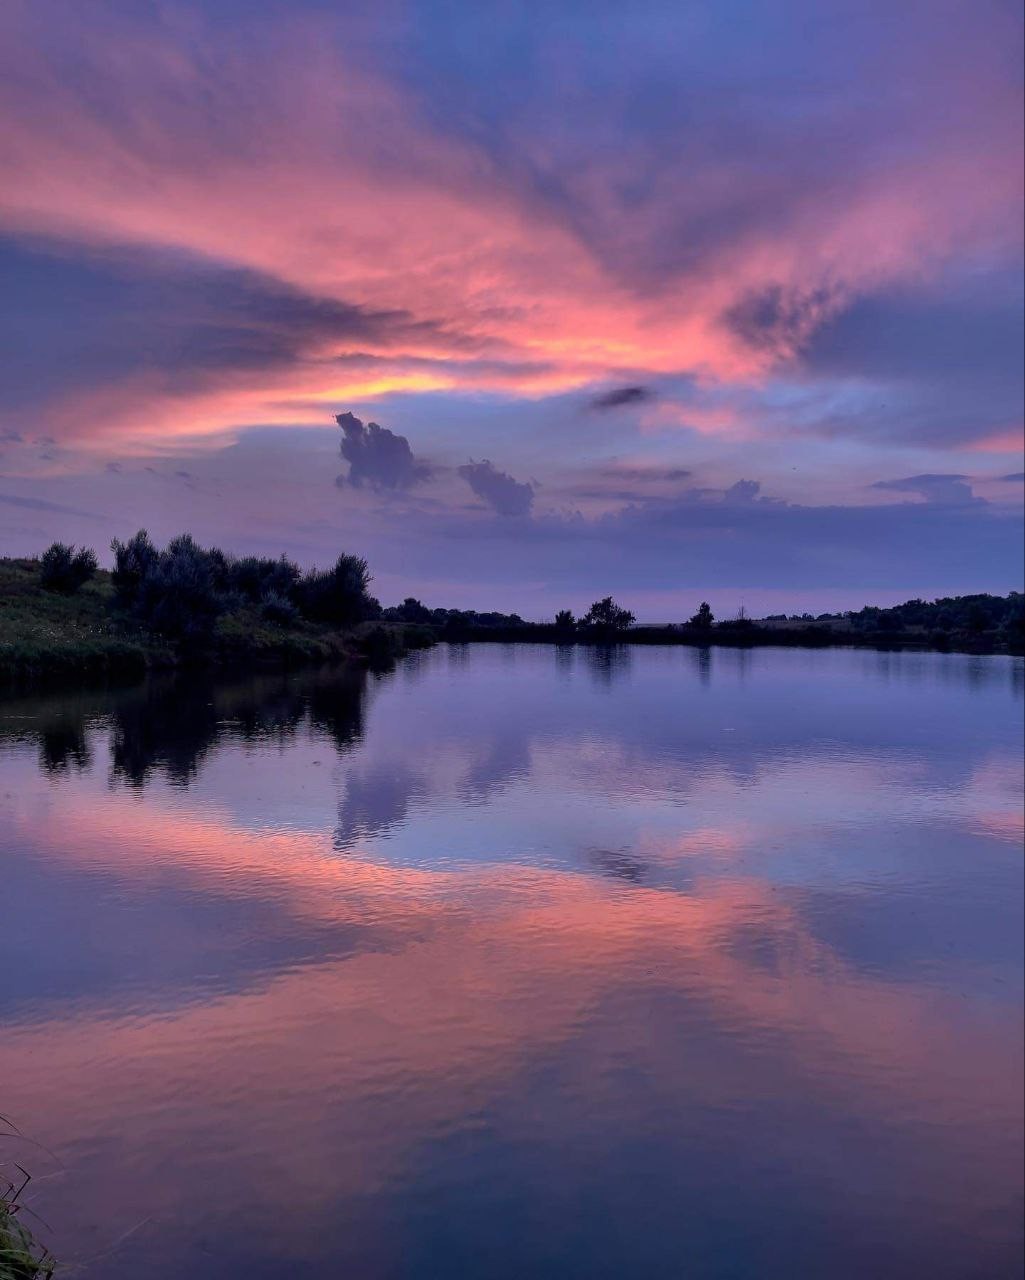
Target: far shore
{"type": "Point", "coordinates": [88, 634]}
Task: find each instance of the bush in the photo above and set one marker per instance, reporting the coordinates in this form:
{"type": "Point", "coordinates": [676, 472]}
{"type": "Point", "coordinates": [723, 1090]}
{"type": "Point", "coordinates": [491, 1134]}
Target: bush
{"type": "Point", "coordinates": [183, 590]}
{"type": "Point", "coordinates": [278, 608]}
{"type": "Point", "coordinates": [178, 596]}
{"type": "Point", "coordinates": [258, 578]}
{"type": "Point", "coordinates": [133, 561]}
{"type": "Point", "coordinates": [338, 595]}
{"type": "Point", "coordinates": [64, 569]}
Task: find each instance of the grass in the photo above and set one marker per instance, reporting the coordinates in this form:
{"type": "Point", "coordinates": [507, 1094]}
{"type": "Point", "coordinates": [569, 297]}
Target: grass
{"type": "Point", "coordinates": [47, 635]}
{"type": "Point", "coordinates": [21, 1256]}
{"type": "Point", "coordinates": [41, 630]}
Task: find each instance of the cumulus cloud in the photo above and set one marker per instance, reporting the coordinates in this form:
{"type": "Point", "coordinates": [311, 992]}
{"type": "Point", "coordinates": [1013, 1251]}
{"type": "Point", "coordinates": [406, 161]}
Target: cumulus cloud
{"type": "Point", "coordinates": [620, 396]}
{"type": "Point", "coordinates": [377, 457]}
{"type": "Point", "coordinates": [743, 491]}
{"type": "Point", "coordinates": [509, 497]}
{"type": "Point", "coordinates": [949, 490]}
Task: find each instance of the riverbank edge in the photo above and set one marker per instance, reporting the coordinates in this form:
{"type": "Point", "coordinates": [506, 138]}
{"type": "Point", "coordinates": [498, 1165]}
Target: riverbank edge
{"type": "Point", "coordinates": [733, 636]}
{"type": "Point", "coordinates": [83, 638]}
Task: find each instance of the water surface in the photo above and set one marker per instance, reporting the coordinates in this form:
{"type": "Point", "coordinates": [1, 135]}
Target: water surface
{"type": "Point", "coordinates": [522, 962]}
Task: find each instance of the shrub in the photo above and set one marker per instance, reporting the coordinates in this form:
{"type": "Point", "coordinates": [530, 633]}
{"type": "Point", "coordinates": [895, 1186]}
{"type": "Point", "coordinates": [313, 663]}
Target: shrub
{"type": "Point", "coordinates": [278, 608]}
{"type": "Point", "coordinates": [178, 596]}
{"type": "Point", "coordinates": [338, 595]}
{"type": "Point", "coordinates": [64, 569]}
{"type": "Point", "coordinates": [133, 561]}
{"type": "Point", "coordinates": [256, 578]}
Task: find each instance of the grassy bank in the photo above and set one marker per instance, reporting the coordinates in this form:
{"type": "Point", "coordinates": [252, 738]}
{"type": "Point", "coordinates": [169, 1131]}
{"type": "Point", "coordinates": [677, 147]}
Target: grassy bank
{"type": "Point", "coordinates": [47, 635]}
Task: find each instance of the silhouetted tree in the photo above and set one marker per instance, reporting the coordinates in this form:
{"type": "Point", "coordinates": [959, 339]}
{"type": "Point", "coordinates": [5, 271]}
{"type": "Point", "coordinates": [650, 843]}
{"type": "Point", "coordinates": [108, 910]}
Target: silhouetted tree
{"type": "Point", "coordinates": [133, 560]}
{"type": "Point", "coordinates": [607, 616]}
{"type": "Point", "coordinates": [410, 610]}
{"type": "Point", "coordinates": [64, 569]}
{"type": "Point", "coordinates": [565, 622]}
{"type": "Point", "coordinates": [178, 595]}
{"type": "Point", "coordinates": [340, 595]}
{"type": "Point", "coordinates": [703, 619]}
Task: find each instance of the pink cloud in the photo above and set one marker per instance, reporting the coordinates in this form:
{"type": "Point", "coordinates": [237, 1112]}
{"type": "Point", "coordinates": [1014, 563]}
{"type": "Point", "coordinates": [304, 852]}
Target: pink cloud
{"type": "Point", "coordinates": [280, 153]}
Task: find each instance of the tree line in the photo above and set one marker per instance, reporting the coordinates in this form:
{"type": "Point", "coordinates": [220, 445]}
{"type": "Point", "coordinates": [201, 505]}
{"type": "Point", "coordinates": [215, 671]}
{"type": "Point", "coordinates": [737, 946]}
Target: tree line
{"type": "Point", "coordinates": [182, 589]}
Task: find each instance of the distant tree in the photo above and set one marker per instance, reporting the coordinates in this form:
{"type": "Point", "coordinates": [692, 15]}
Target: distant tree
{"type": "Point", "coordinates": [1013, 630]}
{"type": "Point", "coordinates": [607, 616]}
{"type": "Point", "coordinates": [565, 622]}
{"type": "Point", "coordinates": [703, 619]}
{"type": "Point", "coordinates": [977, 619]}
{"type": "Point", "coordinates": [411, 610]}
{"type": "Point", "coordinates": [64, 569]}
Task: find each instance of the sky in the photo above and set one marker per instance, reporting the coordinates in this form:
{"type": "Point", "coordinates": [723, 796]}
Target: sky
{"type": "Point", "coordinates": [526, 303]}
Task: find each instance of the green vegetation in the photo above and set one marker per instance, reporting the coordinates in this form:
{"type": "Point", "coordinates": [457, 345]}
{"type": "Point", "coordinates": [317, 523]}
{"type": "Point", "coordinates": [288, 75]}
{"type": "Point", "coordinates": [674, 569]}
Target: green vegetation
{"type": "Point", "coordinates": [972, 624]}
{"type": "Point", "coordinates": [65, 569]}
{"type": "Point", "coordinates": [60, 616]}
{"type": "Point", "coordinates": [22, 1257]}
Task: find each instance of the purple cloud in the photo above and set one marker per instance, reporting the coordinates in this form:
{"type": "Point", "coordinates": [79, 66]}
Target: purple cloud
{"type": "Point", "coordinates": [509, 497]}
{"type": "Point", "coordinates": [377, 457]}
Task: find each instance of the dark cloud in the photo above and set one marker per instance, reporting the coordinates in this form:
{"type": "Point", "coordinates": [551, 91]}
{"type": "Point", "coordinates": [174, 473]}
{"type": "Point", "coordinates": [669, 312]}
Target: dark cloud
{"type": "Point", "coordinates": [41, 504]}
{"type": "Point", "coordinates": [76, 322]}
{"type": "Point", "coordinates": [943, 369]}
{"type": "Point", "coordinates": [509, 497]}
{"type": "Point", "coordinates": [620, 396]}
{"type": "Point", "coordinates": [377, 457]}
{"type": "Point", "coordinates": [743, 491]}
{"type": "Point", "coordinates": [700, 540]}
{"type": "Point", "coordinates": [950, 490]}
{"type": "Point", "coordinates": [777, 320]}
{"type": "Point", "coordinates": [624, 482]}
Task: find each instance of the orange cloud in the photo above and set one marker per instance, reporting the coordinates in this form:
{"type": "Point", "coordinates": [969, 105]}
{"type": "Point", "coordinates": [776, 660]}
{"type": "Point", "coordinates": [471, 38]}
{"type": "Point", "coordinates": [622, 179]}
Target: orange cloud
{"type": "Point", "coordinates": [294, 162]}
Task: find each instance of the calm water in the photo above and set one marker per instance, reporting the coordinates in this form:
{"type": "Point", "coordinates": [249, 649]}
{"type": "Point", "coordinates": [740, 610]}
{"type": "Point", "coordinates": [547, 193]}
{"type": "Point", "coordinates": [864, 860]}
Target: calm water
{"type": "Point", "coordinates": [522, 962]}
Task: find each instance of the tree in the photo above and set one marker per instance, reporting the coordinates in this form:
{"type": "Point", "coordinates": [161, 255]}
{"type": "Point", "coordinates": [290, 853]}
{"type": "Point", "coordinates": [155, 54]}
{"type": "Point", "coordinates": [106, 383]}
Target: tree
{"type": "Point", "coordinates": [565, 622]}
{"type": "Point", "coordinates": [64, 569]}
{"type": "Point", "coordinates": [133, 560]}
{"type": "Point", "coordinates": [703, 619]}
{"type": "Point", "coordinates": [607, 616]}
{"type": "Point", "coordinates": [411, 610]}
{"type": "Point", "coordinates": [340, 595]}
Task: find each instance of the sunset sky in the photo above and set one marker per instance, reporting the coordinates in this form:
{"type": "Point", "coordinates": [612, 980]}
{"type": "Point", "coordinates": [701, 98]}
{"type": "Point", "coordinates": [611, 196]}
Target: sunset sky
{"type": "Point", "coordinates": [675, 300]}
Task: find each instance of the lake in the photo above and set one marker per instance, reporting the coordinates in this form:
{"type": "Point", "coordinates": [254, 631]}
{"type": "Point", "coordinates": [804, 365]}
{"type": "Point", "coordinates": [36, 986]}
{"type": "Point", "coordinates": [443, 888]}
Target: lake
{"type": "Point", "coordinates": [524, 962]}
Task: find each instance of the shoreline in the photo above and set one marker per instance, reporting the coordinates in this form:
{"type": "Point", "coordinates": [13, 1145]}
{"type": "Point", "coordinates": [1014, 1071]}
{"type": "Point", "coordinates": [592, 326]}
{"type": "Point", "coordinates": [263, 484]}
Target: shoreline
{"type": "Point", "coordinates": [730, 637]}
{"type": "Point", "coordinates": [86, 636]}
